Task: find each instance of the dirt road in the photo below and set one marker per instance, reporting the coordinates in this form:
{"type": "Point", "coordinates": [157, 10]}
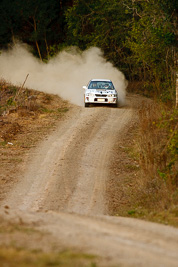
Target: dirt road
{"type": "Point", "coordinates": [63, 190]}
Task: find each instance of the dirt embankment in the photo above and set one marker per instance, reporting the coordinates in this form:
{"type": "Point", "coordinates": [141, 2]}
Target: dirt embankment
{"type": "Point", "coordinates": [63, 189]}
{"type": "Point", "coordinates": [22, 127]}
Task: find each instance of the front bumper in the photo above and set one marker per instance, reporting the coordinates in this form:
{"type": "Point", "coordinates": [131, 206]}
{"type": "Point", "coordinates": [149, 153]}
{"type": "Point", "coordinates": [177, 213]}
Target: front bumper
{"type": "Point", "coordinates": [100, 100]}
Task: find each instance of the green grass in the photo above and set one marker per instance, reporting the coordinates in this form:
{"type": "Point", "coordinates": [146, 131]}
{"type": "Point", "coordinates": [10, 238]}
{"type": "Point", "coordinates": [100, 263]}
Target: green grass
{"type": "Point", "coordinates": [18, 257]}
{"type": "Point", "coordinates": [19, 253]}
{"type": "Point", "coordinates": [62, 110]}
{"type": "Point", "coordinates": [3, 143]}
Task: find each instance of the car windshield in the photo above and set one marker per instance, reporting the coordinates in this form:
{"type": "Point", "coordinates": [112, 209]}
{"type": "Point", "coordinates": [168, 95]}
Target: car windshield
{"type": "Point", "coordinates": [106, 85]}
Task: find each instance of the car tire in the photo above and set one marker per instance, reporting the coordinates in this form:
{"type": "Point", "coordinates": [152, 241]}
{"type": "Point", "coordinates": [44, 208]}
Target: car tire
{"type": "Point", "coordinates": [86, 105]}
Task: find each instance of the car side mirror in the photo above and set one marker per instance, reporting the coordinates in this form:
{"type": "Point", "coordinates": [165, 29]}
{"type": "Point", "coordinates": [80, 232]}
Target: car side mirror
{"type": "Point", "coordinates": [84, 87]}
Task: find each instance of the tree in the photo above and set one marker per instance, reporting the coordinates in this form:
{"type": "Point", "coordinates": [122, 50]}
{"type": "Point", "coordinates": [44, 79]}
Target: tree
{"type": "Point", "coordinates": [100, 23]}
{"type": "Point", "coordinates": [9, 22]}
{"type": "Point", "coordinates": [40, 23]}
{"type": "Point", "coordinates": [37, 18]}
{"type": "Point", "coordinates": [151, 40]}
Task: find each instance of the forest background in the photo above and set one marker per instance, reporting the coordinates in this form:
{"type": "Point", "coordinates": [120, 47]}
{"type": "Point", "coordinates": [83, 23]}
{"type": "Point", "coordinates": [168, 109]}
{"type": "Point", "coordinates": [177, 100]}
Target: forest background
{"type": "Point", "coordinates": [137, 36]}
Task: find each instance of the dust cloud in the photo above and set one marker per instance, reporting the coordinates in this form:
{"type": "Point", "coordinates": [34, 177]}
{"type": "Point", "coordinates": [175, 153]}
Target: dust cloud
{"type": "Point", "coordinates": [64, 75]}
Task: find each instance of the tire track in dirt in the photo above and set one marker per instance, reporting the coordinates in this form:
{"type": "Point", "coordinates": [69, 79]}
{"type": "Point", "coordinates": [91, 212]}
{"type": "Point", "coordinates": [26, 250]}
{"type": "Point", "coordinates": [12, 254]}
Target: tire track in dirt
{"type": "Point", "coordinates": [77, 162]}
{"type": "Point", "coordinates": [69, 169]}
{"type": "Point", "coordinates": [89, 195]}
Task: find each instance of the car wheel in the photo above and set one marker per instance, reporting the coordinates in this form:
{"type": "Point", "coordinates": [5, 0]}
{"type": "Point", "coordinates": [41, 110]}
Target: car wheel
{"type": "Point", "coordinates": [86, 105]}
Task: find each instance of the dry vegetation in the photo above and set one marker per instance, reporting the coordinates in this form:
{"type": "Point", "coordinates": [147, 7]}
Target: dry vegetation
{"type": "Point", "coordinates": [22, 245]}
{"type": "Point", "coordinates": [146, 180]}
{"type": "Point", "coordinates": [26, 116]}
{"type": "Point", "coordinates": [158, 155]}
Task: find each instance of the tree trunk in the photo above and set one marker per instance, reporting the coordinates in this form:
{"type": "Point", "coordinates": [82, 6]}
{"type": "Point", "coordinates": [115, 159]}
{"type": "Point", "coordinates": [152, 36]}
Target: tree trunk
{"type": "Point", "coordinates": [47, 48]}
{"type": "Point", "coordinates": [38, 50]}
{"type": "Point", "coordinates": [37, 46]}
{"type": "Point", "coordinates": [176, 90]}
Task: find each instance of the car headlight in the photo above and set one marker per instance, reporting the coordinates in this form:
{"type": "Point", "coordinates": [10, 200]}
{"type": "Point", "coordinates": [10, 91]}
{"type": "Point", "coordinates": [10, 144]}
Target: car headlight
{"type": "Point", "coordinates": [89, 94]}
{"type": "Point", "coordinates": [113, 95]}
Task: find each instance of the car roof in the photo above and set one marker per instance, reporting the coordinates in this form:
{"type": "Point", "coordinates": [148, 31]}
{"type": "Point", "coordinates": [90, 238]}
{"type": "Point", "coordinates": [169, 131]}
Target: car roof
{"type": "Point", "coordinates": [99, 80]}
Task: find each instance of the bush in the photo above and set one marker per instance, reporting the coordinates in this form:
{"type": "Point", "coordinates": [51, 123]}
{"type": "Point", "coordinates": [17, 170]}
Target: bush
{"type": "Point", "coordinates": [158, 144]}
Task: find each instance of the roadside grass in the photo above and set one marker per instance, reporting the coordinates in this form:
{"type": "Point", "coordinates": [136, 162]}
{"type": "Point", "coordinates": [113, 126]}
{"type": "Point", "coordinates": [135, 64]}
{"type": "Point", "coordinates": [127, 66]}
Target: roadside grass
{"type": "Point", "coordinates": [26, 117]}
{"type": "Point", "coordinates": [19, 257]}
{"type": "Point", "coordinates": [46, 110]}
{"type": "Point", "coordinates": [157, 146]}
{"type": "Point", "coordinates": [146, 175]}
{"type": "Point", "coordinates": [21, 245]}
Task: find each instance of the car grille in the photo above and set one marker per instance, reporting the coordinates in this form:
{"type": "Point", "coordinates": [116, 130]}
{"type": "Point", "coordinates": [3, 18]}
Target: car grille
{"type": "Point", "coordinates": [100, 95]}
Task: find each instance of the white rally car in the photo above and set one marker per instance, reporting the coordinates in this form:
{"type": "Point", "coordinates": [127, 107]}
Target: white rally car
{"type": "Point", "coordinates": [100, 91]}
